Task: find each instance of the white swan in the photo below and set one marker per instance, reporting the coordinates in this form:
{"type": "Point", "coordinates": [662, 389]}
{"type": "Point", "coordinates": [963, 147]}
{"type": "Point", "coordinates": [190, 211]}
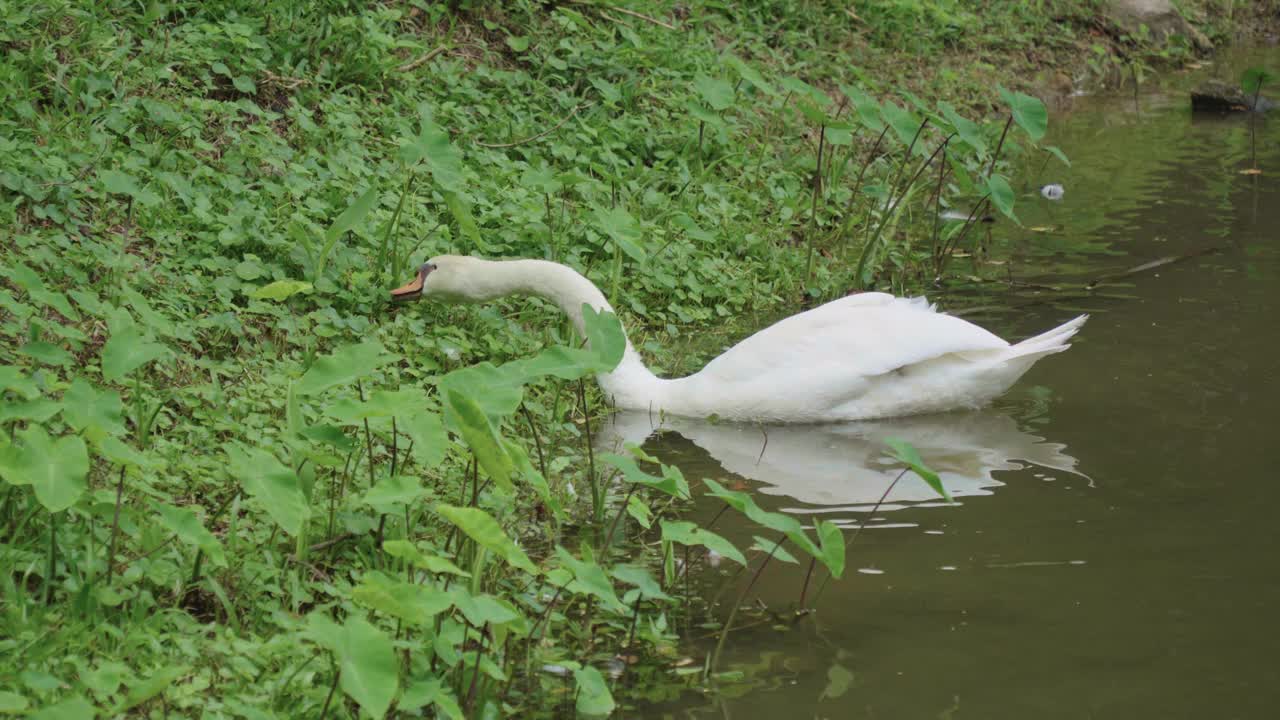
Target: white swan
{"type": "Point", "coordinates": [861, 357]}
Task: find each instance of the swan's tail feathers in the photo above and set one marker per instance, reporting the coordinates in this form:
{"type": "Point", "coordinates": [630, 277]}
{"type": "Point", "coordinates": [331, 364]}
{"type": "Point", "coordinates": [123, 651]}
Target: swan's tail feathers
{"type": "Point", "coordinates": [1054, 341]}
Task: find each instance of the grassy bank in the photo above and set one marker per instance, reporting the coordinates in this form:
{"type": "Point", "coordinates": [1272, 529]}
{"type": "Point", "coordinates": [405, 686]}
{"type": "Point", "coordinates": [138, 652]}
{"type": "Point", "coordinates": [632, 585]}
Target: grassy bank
{"type": "Point", "coordinates": [238, 484]}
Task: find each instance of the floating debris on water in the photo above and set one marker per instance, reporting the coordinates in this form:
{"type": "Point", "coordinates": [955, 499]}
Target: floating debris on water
{"type": "Point", "coordinates": [963, 216]}
{"type": "Point", "coordinates": [1035, 563]}
{"type": "Point", "coordinates": [1052, 192]}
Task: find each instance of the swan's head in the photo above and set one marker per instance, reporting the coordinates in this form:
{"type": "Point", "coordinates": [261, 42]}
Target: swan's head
{"type": "Point", "coordinates": [447, 278]}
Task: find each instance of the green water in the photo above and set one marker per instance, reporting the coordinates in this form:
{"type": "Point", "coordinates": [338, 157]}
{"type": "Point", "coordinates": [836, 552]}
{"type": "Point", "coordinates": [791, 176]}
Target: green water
{"type": "Point", "coordinates": [1114, 550]}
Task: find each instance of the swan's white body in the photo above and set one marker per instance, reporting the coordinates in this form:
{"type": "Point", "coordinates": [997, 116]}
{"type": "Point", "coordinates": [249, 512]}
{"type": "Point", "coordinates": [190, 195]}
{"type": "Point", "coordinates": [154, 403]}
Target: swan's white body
{"type": "Point", "coordinates": [861, 357]}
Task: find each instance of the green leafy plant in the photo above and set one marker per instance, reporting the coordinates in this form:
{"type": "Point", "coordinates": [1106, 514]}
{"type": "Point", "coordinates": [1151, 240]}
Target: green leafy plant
{"type": "Point", "coordinates": [1251, 81]}
{"type": "Point", "coordinates": [252, 488]}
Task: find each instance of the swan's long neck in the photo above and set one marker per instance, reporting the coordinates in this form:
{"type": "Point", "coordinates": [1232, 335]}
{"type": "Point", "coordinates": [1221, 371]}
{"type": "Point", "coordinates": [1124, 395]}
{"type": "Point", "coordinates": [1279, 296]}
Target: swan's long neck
{"type": "Point", "coordinates": [631, 384]}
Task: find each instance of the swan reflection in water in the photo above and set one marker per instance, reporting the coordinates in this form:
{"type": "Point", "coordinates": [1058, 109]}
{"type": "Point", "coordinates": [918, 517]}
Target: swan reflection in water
{"type": "Point", "coordinates": [845, 467]}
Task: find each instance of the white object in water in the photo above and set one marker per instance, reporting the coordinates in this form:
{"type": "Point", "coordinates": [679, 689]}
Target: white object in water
{"type": "Point", "coordinates": [864, 356]}
{"type": "Point", "coordinates": [840, 470]}
{"type": "Point", "coordinates": [1052, 192]}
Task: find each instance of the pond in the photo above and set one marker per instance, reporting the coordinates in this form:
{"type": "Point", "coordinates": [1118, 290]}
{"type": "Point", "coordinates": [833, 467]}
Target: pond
{"type": "Point", "coordinates": [1112, 552]}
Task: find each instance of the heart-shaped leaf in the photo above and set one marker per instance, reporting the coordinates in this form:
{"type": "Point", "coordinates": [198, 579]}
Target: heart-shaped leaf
{"type": "Point", "coordinates": [393, 493]}
{"type": "Point", "coordinates": [542, 179]}
{"type": "Point", "coordinates": [344, 365]}
{"type": "Point", "coordinates": [276, 488]}
{"type": "Point", "coordinates": [605, 337]}
{"type": "Point", "coordinates": [608, 91]}
{"type": "Point", "coordinates": [411, 602]}
{"type": "Point", "coordinates": [411, 554]}
{"type": "Point", "coordinates": [672, 482]}
{"type": "Point", "coordinates": [481, 527]}
{"type": "Point", "coordinates": [716, 92]}
{"type": "Point", "coordinates": [37, 411]}
{"type": "Point", "coordinates": [127, 350]}
{"type": "Point", "coordinates": [119, 453]}
{"type": "Point", "coordinates": [773, 548]}
{"type": "Point", "coordinates": [812, 112]}
{"type": "Point", "coordinates": [623, 229]}
{"type": "Point", "coordinates": [532, 477]}
{"type": "Point", "coordinates": [906, 454]}
{"type": "Point", "coordinates": [594, 697]}
{"type": "Point", "coordinates": [703, 114]}
{"type": "Point", "coordinates": [1001, 195]}
{"type": "Point", "coordinates": [460, 208]}
{"type": "Point", "coordinates": [750, 74]}
{"type": "Point", "coordinates": [1056, 152]}
{"type": "Point", "coordinates": [425, 692]}
{"type": "Point", "coordinates": [351, 217]}
{"type": "Point", "coordinates": [92, 412]}
{"type": "Point", "coordinates": [426, 430]}
{"type": "Point", "coordinates": [481, 436]}
{"type": "Point", "coordinates": [641, 578]}
{"type": "Point", "coordinates": [184, 523]}
{"type": "Point", "coordinates": [57, 470]}
{"type": "Point", "coordinates": [785, 524]}
{"type": "Point", "coordinates": [904, 124]}
{"type": "Point", "coordinates": [72, 708]}
{"type": "Point", "coordinates": [151, 686]}
{"type": "Point", "coordinates": [12, 378]}
{"type": "Point", "coordinates": [498, 390]}
{"type": "Point", "coordinates": [803, 90]}
{"type": "Point", "coordinates": [405, 402]}
{"type": "Point", "coordinates": [869, 112]}
{"type": "Point", "coordinates": [47, 353]}
{"type": "Point", "coordinates": [557, 361]}
{"type": "Point", "coordinates": [481, 610]}
{"type": "Point", "coordinates": [12, 703]}
{"type": "Point", "coordinates": [687, 533]}
{"type": "Point", "coordinates": [432, 146]}
{"type": "Point", "coordinates": [968, 130]}
{"type": "Point", "coordinates": [1028, 112]}
{"type": "Point", "coordinates": [831, 547]}
{"type": "Point", "coordinates": [280, 290]}
{"type": "Point", "coordinates": [839, 132]}
{"type": "Point", "coordinates": [368, 670]}
{"type": "Point", "coordinates": [591, 579]}
{"type": "Point", "coordinates": [114, 181]}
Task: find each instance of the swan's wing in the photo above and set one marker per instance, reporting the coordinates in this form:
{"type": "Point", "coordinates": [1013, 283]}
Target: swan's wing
{"type": "Point", "coordinates": [858, 336]}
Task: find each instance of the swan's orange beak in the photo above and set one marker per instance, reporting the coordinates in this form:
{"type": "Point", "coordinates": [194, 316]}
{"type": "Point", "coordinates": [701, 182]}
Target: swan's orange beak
{"type": "Point", "coordinates": [411, 290]}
